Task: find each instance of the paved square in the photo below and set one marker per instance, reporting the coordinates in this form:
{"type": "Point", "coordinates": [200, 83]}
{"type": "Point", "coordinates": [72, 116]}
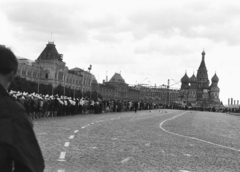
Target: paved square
{"type": "Point", "coordinates": [159, 140]}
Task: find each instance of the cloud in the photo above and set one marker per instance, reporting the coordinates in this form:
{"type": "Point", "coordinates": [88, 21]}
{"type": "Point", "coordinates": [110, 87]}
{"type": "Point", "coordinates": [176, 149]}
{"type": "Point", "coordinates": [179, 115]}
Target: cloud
{"type": "Point", "coordinates": [34, 17]}
{"type": "Point", "coordinates": [100, 22]}
{"type": "Point", "coordinates": [215, 22]}
{"type": "Point", "coordinates": [172, 46]}
{"type": "Point", "coordinates": [109, 55]}
{"type": "Point", "coordinates": [104, 37]}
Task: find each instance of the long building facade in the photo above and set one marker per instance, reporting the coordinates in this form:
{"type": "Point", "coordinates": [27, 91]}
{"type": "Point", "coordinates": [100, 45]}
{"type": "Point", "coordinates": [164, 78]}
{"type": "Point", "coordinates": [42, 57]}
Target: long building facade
{"type": "Point", "coordinates": [117, 88]}
{"type": "Point", "coordinates": [197, 90]}
{"type": "Point", "coordinates": [49, 68]}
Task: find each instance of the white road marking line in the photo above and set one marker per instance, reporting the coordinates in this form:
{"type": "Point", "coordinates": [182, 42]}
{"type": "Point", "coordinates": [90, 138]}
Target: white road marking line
{"type": "Point", "coordinates": [82, 127]}
{"type": "Point", "coordinates": [125, 160]}
{"type": "Point", "coordinates": [62, 156]}
{"type": "Point", "coordinates": [187, 154]}
{"type": "Point", "coordinates": [184, 171]}
{"type": "Point", "coordinates": [93, 147]}
{"type": "Point", "coordinates": [61, 170]}
{"type": "Point", "coordinates": [71, 137]}
{"type": "Point", "coordinates": [193, 138]}
{"type": "Point", "coordinates": [76, 131]}
{"type": "Point", "coordinates": [66, 144]}
{"type": "Point", "coordinates": [147, 144]}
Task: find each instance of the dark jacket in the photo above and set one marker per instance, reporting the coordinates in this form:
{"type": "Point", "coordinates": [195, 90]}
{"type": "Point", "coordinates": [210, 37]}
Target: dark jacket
{"type": "Point", "coordinates": [18, 143]}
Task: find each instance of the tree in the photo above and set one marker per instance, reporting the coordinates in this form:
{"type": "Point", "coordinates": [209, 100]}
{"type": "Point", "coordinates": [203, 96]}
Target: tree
{"type": "Point", "coordinates": [23, 85]}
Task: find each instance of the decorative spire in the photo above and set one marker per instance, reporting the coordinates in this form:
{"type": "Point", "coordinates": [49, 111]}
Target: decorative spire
{"type": "Point", "coordinates": [202, 65]}
{"type": "Point", "coordinates": [203, 55]}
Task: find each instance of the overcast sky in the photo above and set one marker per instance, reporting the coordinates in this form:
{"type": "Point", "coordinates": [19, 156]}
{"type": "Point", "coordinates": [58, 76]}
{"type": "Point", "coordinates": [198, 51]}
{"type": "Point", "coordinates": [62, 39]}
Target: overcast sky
{"type": "Point", "coordinates": [157, 40]}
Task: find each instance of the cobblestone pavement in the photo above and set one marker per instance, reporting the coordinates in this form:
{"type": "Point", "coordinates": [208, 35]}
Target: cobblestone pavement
{"type": "Point", "coordinates": [158, 140]}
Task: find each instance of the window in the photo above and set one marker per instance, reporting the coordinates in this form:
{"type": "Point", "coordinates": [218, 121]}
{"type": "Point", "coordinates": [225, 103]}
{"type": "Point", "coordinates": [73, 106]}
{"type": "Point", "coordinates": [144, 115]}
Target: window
{"type": "Point", "coordinates": [46, 75]}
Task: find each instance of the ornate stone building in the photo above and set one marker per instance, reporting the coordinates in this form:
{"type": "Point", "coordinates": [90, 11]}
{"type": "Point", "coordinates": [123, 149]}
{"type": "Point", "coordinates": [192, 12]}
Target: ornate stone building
{"type": "Point", "coordinates": [117, 88]}
{"type": "Point", "coordinates": [196, 89]}
{"type": "Point", "coordinates": [49, 68]}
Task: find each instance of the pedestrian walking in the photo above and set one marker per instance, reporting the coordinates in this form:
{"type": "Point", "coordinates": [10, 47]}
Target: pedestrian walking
{"type": "Point", "coordinates": [135, 106]}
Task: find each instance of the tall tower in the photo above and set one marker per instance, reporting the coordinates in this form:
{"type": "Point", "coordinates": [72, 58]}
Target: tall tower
{"type": "Point", "coordinates": [202, 78]}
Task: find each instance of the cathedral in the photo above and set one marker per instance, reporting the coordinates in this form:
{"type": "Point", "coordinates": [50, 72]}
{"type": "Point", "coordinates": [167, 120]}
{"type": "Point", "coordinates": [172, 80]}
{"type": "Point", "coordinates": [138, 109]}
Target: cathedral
{"type": "Point", "coordinates": [197, 91]}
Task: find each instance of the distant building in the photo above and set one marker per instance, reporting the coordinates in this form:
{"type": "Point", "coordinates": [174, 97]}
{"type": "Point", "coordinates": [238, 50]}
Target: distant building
{"type": "Point", "coordinates": [197, 90]}
{"type": "Point", "coordinates": [118, 89]}
{"type": "Point", "coordinates": [22, 60]}
{"type": "Point", "coordinates": [49, 68]}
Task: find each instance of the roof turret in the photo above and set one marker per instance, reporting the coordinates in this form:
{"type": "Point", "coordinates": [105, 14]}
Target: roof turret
{"type": "Point", "coordinates": [215, 78]}
{"type": "Point", "coordinates": [117, 78]}
{"type": "Point", "coordinates": [50, 52]}
{"type": "Point", "coordinates": [193, 79]}
{"type": "Point", "coordinates": [185, 79]}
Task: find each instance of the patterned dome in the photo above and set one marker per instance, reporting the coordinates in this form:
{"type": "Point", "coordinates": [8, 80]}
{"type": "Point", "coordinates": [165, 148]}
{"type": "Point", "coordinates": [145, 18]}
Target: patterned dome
{"type": "Point", "coordinates": [185, 79]}
{"type": "Point", "coordinates": [215, 78]}
{"type": "Point", "coordinates": [214, 88]}
{"type": "Point", "coordinates": [193, 79]}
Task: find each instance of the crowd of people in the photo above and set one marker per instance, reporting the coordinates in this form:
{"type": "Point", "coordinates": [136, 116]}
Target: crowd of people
{"type": "Point", "coordinates": [38, 105]}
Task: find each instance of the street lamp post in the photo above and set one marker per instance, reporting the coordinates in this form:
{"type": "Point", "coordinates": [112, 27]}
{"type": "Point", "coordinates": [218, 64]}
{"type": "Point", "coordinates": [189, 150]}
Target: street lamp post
{"type": "Point", "coordinates": [56, 75]}
{"type": "Point", "coordinates": [89, 70]}
{"type": "Point", "coordinates": [168, 91]}
{"type": "Point", "coordinates": [74, 84]}
{"type": "Point", "coordinates": [39, 74]}
{"type": "Point", "coordinates": [64, 82]}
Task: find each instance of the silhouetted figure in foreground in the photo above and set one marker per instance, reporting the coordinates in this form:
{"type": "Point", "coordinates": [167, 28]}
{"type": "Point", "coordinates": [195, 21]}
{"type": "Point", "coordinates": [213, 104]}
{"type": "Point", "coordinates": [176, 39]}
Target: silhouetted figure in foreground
{"type": "Point", "coordinates": [19, 149]}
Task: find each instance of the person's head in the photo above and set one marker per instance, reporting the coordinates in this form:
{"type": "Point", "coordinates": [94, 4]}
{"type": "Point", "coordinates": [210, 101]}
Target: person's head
{"type": "Point", "coordinates": [8, 66]}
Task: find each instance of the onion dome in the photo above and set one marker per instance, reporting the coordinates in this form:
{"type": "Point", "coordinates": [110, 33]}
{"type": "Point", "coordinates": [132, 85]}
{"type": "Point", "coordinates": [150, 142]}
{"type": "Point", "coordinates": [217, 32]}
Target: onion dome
{"type": "Point", "coordinates": [215, 78]}
{"type": "Point", "coordinates": [193, 79]}
{"type": "Point", "coordinates": [185, 79]}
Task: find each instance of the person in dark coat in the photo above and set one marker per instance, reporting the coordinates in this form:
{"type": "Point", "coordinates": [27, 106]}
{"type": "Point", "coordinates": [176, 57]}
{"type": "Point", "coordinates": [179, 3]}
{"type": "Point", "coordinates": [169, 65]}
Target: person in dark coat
{"type": "Point", "coordinates": [135, 106]}
{"type": "Point", "coordinates": [19, 149]}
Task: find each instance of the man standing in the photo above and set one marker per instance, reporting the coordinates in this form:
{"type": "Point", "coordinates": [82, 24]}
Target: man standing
{"type": "Point", "coordinates": [135, 106]}
{"type": "Point", "coordinates": [19, 149]}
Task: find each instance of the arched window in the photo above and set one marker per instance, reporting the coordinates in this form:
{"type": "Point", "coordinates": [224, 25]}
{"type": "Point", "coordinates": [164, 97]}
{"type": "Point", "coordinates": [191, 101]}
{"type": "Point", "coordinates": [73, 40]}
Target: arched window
{"type": "Point", "coordinates": [46, 72]}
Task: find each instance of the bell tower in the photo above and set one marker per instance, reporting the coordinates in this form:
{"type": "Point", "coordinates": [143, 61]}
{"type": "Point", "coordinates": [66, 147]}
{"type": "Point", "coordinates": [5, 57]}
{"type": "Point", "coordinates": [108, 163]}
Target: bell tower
{"type": "Point", "coordinates": [202, 78]}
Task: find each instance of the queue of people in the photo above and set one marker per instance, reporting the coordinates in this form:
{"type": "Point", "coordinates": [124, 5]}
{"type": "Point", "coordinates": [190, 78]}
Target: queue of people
{"type": "Point", "coordinates": [38, 105]}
